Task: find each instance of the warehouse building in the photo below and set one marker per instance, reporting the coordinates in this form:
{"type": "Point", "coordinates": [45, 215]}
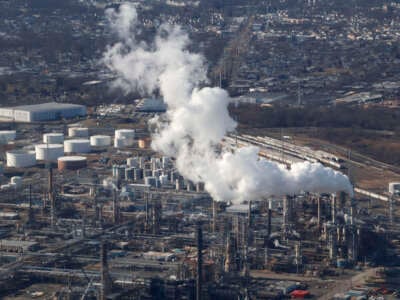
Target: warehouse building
{"type": "Point", "coordinates": [43, 112]}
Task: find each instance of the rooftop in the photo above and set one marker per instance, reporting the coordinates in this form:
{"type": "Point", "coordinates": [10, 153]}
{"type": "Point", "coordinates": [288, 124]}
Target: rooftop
{"type": "Point", "coordinates": [45, 106]}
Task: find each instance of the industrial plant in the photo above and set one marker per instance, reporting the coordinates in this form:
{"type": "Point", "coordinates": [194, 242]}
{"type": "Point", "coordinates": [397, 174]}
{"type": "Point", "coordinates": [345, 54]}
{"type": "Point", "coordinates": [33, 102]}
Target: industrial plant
{"type": "Point", "coordinates": [157, 184]}
{"type": "Point", "coordinates": [85, 218]}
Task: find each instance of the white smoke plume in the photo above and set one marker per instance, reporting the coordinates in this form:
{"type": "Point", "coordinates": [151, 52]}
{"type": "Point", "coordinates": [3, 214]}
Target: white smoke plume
{"type": "Point", "coordinates": [197, 118]}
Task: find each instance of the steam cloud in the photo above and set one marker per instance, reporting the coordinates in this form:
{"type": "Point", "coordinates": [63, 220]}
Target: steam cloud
{"type": "Point", "coordinates": [197, 118]}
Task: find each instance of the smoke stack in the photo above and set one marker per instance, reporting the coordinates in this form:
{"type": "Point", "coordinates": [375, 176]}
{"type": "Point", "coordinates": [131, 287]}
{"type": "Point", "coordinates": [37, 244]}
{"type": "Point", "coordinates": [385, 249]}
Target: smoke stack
{"type": "Point", "coordinates": [52, 198]}
{"type": "Point", "coordinates": [319, 203]}
{"type": "Point", "coordinates": [214, 216]}
{"type": "Point", "coordinates": [115, 207]}
{"type": "Point", "coordinates": [269, 218]}
{"type": "Point", "coordinates": [31, 217]}
{"type": "Point", "coordinates": [249, 216]}
{"type": "Point", "coordinates": [156, 207]}
{"type": "Point", "coordinates": [105, 277]}
{"type": "Point", "coordinates": [332, 243]}
{"type": "Point", "coordinates": [147, 197]}
{"type": "Point", "coordinates": [199, 261]}
{"type": "Point", "coordinates": [333, 207]}
{"type": "Point", "coordinates": [228, 254]}
{"type": "Point", "coordinates": [286, 216]}
{"type": "Point", "coordinates": [298, 255]}
{"type": "Point", "coordinates": [177, 185]}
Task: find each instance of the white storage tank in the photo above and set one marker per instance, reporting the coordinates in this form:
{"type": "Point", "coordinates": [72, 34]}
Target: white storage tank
{"type": "Point", "coordinates": [49, 152]}
{"type": "Point", "coordinates": [7, 135]}
{"type": "Point", "coordinates": [120, 142]}
{"type": "Point", "coordinates": [394, 188]}
{"type": "Point", "coordinates": [128, 134]}
{"type": "Point", "coordinates": [77, 146]}
{"type": "Point", "coordinates": [100, 140]}
{"type": "Point", "coordinates": [21, 158]}
{"type": "Point", "coordinates": [53, 138]}
{"type": "Point", "coordinates": [78, 132]}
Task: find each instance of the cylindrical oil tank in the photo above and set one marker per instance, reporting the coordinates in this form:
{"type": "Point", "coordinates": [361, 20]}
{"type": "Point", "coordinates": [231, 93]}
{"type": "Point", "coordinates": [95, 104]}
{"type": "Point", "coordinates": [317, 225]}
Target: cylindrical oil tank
{"type": "Point", "coordinates": [53, 138]}
{"type": "Point", "coordinates": [71, 162]}
{"type": "Point", "coordinates": [21, 158]}
{"type": "Point", "coordinates": [78, 132]}
{"type": "Point", "coordinates": [49, 152]}
{"type": "Point", "coordinates": [126, 133]}
{"type": "Point", "coordinates": [144, 143]}
{"type": "Point", "coordinates": [120, 142]}
{"type": "Point", "coordinates": [77, 146]}
{"type": "Point", "coordinates": [7, 135]}
{"type": "Point", "coordinates": [100, 140]}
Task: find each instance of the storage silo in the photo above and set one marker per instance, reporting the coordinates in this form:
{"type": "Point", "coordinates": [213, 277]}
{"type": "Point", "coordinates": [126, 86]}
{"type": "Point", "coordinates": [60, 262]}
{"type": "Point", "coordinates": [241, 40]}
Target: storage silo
{"type": "Point", "coordinates": [126, 133]}
{"type": "Point", "coordinates": [120, 142]}
{"type": "Point", "coordinates": [144, 143]}
{"type": "Point", "coordinates": [78, 132]}
{"type": "Point", "coordinates": [77, 146]}
{"type": "Point", "coordinates": [49, 152]}
{"type": "Point", "coordinates": [100, 140]}
{"type": "Point", "coordinates": [71, 162]}
{"type": "Point", "coordinates": [53, 138]}
{"type": "Point", "coordinates": [20, 158]}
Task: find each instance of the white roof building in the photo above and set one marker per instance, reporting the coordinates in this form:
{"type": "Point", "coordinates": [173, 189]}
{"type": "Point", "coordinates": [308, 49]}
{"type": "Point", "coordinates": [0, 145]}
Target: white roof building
{"type": "Point", "coordinates": [43, 112]}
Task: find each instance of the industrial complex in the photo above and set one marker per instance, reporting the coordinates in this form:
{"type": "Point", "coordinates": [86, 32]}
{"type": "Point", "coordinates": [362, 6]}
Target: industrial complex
{"type": "Point", "coordinates": [199, 150]}
{"type": "Point", "coordinates": [91, 212]}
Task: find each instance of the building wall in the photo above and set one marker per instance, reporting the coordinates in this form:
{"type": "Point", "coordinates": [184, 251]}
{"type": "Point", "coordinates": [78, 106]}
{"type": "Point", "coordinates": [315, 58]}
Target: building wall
{"type": "Point", "coordinates": [42, 115]}
{"type": "Point", "coordinates": [22, 116]}
{"type": "Point", "coordinates": [7, 113]}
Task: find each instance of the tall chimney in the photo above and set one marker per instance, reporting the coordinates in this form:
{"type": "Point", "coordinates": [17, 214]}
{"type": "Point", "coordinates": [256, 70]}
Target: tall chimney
{"type": "Point", "coordinates": [319, 204]}
{"type": "Point", "coordinates": [249, 216]}
{"type": "Point", "coordinates": [115, 207]}
{"type": "Point", "coordinates": [105, 279]}
{"type": "Point", "coordinates": [199, 261]}
{"type": "Point", "coordinates": [52, 198]}
{"type": "Point", "coordinates": [214, 215]}
{"type": "Point", "coordinates": [333, 207]}
{"type": "Point", "coordinates": [269, 218]}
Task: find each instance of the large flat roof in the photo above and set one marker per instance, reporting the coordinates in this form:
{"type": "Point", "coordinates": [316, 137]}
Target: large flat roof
{"type": "Point", "coordinates": [45, 106]}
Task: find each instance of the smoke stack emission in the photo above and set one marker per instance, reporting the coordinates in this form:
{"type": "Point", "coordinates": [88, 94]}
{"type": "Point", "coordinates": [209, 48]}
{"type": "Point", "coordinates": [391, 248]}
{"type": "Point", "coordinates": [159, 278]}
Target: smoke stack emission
{"type": "Point", "coordinates": [197, 118]}
{"type": "Point", "coordinates": [199, 236]}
